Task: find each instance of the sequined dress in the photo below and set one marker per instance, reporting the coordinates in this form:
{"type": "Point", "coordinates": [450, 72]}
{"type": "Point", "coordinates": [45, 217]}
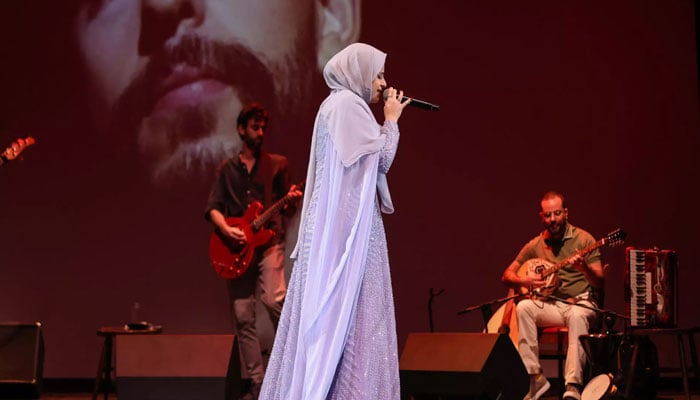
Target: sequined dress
{"type": "Point", "coordinates": [368, 367]}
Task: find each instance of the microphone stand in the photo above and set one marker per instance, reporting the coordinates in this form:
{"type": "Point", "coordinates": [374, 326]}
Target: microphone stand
{"type": "Point", "coordinates": [433, 294]}
{"type": "Point", "coordinates": [610, 317]}
{"type": "Point", "coordinates": [487, 308]}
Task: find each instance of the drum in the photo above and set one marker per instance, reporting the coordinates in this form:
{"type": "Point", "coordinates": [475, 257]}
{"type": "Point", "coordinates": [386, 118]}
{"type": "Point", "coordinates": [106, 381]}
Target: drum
{"type": "Point", "coordinates": [602, 351]}
{"type": "Point", "coordinates": [600, 387]}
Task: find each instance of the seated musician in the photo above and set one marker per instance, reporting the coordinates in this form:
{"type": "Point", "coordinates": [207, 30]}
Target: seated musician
{"type": "Point", "coordinates": [560, 241]}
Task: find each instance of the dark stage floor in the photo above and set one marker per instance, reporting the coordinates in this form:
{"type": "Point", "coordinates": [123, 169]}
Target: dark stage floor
{"type": "Point", "coordinates": [85, 396]}
{"type": "Point", "coordinates": [551, 395]}
{"type": "Point", "coordinates": [667, 389]}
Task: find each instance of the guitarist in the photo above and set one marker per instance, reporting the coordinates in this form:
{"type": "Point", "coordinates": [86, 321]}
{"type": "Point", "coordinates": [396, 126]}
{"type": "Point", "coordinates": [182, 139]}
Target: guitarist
{"type": "Point", "coordinates": [558, 242]}
{"type": "Point", "coordinates": [253, 175]}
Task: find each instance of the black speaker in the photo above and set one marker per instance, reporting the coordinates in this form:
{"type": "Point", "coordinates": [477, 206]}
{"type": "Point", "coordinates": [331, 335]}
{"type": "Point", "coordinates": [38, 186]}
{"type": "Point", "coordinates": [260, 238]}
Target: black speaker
{"type": "Point", "coordinates": [461, 366]}
{"type": "Point", "coordinates": [175, 367]}
{"type": "Point", "coordinates": [21, 360]}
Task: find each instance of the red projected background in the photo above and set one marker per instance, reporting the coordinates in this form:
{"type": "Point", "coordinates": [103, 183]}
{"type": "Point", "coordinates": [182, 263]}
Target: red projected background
{"type": "Point", "coordinates": [597, 100]}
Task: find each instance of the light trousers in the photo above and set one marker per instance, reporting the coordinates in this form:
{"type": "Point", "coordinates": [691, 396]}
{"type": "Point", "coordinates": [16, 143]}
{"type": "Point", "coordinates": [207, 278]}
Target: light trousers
{"type": "Point", "coordinates": [537, 313]}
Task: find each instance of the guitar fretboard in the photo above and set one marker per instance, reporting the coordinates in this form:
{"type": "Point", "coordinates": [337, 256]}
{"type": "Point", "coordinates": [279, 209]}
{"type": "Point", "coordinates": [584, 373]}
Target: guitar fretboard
{"type": "Point", "coordinates": [270, 212]}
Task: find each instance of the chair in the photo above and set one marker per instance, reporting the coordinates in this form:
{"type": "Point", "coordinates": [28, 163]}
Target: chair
{"type": "Point", "coordinates": [553, 342]}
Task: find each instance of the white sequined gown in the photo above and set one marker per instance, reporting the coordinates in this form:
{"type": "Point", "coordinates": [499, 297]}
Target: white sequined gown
{"type": "Point", "coordinates": [368, 367]}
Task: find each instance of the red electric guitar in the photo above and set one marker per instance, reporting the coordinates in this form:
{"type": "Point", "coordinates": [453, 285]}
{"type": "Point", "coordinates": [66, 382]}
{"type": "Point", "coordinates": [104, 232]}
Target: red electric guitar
{"type": "Point", "coordinates": [231, 258]}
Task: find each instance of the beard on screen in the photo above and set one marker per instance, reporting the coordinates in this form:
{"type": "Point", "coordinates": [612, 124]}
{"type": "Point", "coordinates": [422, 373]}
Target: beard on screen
{"type": "Point", "coordinates": [192, 141]}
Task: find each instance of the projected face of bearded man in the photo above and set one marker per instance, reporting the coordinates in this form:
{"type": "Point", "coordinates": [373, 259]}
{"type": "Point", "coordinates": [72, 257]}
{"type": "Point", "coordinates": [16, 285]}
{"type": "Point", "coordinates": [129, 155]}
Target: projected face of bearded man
{"type": "Point", "coordinates": [175, 73]}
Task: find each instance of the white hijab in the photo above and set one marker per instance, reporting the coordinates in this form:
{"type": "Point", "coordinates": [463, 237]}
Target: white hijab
{"type": "Point", "coordinates": [354, 68]}
{"type": "Point", "coordinates": [354, 133]}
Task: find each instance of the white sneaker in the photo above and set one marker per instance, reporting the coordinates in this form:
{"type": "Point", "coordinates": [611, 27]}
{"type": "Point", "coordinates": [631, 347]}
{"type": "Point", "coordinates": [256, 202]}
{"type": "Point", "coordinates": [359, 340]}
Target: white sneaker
{"type": "Point", "coordinates": [538, 386]}
{"type": "Point", "coordinates": [572, 393]}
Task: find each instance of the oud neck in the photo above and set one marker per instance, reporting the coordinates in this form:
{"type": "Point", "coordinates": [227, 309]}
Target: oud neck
{"type": "Point", "coordinates": [556, 267]}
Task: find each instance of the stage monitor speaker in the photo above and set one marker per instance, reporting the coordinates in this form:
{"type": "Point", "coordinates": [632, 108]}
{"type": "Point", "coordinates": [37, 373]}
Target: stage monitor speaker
{"type": "Point", "coordinates": [175, 367]}
{"type": "Point", "coordinates": [21, 360]}
{"type": "Point", "coordinates": [461, 366]}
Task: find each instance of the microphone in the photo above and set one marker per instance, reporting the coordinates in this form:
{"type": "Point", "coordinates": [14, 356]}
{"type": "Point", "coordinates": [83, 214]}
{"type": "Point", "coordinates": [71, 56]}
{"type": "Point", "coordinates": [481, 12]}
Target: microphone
{"type": "Point", "coordinates": [415, 102]}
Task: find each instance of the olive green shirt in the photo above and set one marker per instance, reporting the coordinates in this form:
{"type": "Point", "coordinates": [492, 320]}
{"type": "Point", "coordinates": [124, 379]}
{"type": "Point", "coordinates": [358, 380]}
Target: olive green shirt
{"type": "Point", "coordinates": [571, 282]}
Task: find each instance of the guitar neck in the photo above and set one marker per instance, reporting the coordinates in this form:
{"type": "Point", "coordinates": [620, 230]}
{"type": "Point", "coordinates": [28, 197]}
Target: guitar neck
{"type": "Point", "coordinates": [270, 212]}
{"type": "Point", "coordinates": [556, 267]}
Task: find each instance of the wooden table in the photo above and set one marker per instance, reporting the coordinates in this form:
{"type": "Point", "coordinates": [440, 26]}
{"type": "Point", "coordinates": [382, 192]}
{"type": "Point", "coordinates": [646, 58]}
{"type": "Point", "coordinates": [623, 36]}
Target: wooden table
{"type": "Point", "coordinates": [679, 334]}
{"type": "Point", "coordinates": [103, 382]}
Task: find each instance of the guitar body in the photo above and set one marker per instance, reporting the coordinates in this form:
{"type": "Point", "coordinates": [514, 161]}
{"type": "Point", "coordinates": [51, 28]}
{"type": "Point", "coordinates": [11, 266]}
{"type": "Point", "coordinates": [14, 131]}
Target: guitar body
{"type": "Point", "coordinates": [538, 266]}
{"type": "Point", "coordinates": [231, 258]}
{"type": "Point", "coordinates": [505, 320]}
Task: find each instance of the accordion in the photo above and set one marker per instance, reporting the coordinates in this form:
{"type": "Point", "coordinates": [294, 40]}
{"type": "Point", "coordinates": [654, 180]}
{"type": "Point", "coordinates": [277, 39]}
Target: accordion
{"type": "Point", "coordinates": [651, 287]}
